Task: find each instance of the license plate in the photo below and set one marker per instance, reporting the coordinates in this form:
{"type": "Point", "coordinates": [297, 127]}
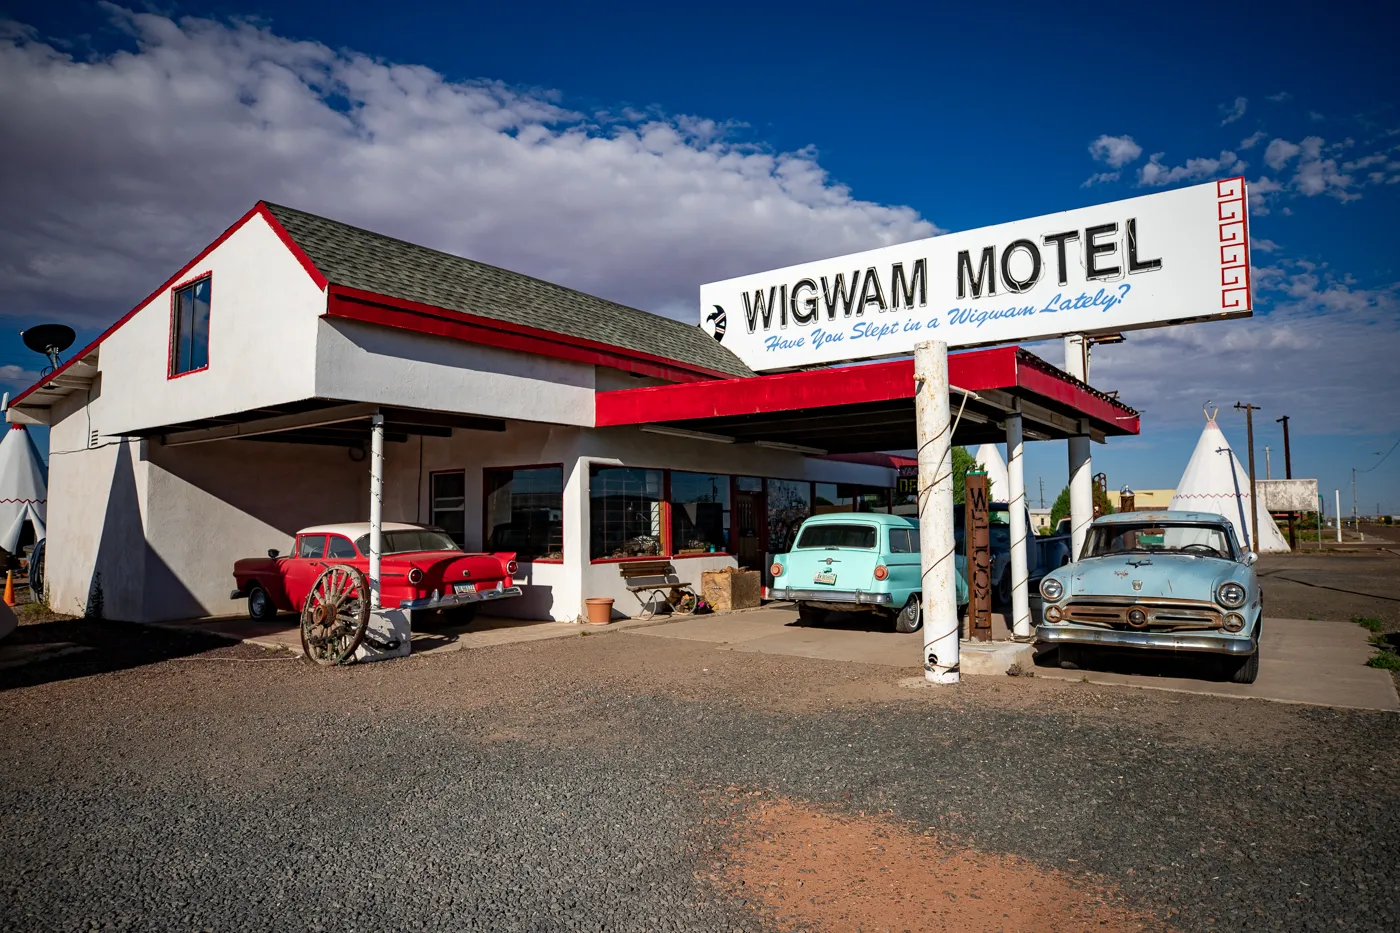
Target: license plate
{"type": "Point", "coordinates": [460, 588]}
{"type": "Point", "coordinates": [825, 576]}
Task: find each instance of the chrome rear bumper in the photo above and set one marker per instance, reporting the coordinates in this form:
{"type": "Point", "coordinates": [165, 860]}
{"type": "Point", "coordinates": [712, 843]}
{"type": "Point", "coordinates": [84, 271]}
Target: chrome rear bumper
{"type": "Point", "coordinates": [453, 600]}
{"type": "Point", "coordinates": [1159, 641]}
{"type": "Point", "coordinates": [832, 596]}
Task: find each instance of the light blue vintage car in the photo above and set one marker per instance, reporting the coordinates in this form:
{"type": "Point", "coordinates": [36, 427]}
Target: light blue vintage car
{"type": "Point", "coordinates": [1166, 581]}
{"type": "Point", "coordinates": [848, 561]}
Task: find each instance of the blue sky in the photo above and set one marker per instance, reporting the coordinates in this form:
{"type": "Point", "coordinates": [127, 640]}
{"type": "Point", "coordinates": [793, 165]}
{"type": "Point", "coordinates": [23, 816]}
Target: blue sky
{"type": "Point", "coordinates": [639, 152]}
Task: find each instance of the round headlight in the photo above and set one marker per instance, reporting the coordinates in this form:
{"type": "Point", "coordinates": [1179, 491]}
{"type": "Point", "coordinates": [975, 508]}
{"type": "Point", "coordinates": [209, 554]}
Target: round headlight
{"type": "Point", "coordinates": [1051, 589]}
{"type": "Point", "coordinates": [1231, 595]}
{"type": "Point", "coordinates": [1234, 622]}
{"type": "Point", "coordinates": [776, 569]}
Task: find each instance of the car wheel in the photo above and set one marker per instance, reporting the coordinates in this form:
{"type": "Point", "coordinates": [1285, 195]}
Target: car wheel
{"type": "Point", "coordinates": [460, 615]}
{"type": "Point", "coordinates": [260, 607]}
{"type": "Point", "coordinates": [910, 617]}
{"type": "Point", "coordinates": [809, 615]}
{"type": "Point", "coordinates": [1245, 671]}
{"type": "Point", "coordinates": [1003, 592]}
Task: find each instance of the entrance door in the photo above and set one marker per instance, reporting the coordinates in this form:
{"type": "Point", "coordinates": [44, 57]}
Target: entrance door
{"type": "Point", "coordinates": [750, 522]}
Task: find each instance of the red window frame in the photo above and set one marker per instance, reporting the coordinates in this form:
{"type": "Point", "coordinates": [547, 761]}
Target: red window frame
{"type": "Point", "coordinates": [485, 536]}
{"type": "Point", "coordinates": [170, 372]}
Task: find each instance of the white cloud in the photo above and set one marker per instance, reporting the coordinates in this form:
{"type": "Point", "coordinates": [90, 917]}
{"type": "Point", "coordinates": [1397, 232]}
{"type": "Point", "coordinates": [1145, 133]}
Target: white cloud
{"type": "Point", "coordinates": [1319, 175]}
{"type": "Point", "coordinates": [1263, 245]}
{"type": "Point", "coordinates": [1099, 178]}
{"type": "Point", "coordinates": [1259, 191]}
{"type": "Point", "coordinates": [1117, 151]}
{"type": "Point", "coordinates": [1253, 140]}
{"type": "Point", "coordinates": [1280, 97]}
{"type": "Point", "coordinates": [1278, 153]}
{"type": "Point", "coordinates": [17, 376]}
{"type": "Point", "coordinates": [121, 167]}
{"type": "Point", "coordinates": [1232, 112]}
{"type": "Point", "coordinates": [1306, 321]}
{"type": "Point", "coordinates": [1155, 172]}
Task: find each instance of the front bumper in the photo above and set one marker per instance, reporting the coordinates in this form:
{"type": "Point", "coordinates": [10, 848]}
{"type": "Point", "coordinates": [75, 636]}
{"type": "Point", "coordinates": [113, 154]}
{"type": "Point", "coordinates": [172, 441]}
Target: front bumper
{"type": "Point", "coordinates": [856, 597]}
{"type": "Point", "coordinates": [1157, 641]}
{"type": "Point", "coordinates": [453, 600]}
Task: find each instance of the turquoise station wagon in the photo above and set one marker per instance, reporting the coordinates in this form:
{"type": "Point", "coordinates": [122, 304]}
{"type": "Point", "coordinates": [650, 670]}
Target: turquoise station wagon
{"type": "Point", "coordinates": [849, 561]}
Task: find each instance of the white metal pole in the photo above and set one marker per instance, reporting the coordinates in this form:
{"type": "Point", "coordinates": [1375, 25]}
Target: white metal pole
{"type": "Point", "coordinates": [1081, 493]}
{"type": "Point", "coordinates": [376, 504]}
{"type": "Point", "coordinates": [936, 558]}
{"type": "Point", "coordinates": [1015, 472]}
{"type": "Point", "coordinates": [1339, 515]}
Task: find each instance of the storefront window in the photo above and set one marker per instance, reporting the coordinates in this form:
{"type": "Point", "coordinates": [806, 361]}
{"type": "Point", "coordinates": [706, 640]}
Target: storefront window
{"type": "Point", "coordinates": [448, 499]}
{"type": "Point", "coordinates": [525, 512]}
{"type": "Point", "coordinates": [625, 512]}
{"type": "Point", "coordinates": [699, 512]}
{"type": "Point", "coordinates": [789, 505]}
{"type": "Point", "coordinates": [848, 497]}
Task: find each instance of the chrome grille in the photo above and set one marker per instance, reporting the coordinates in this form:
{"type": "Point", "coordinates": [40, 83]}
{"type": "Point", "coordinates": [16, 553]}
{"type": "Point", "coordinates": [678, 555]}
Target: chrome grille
{"type": "Point", "coordinates": [1163, 615]}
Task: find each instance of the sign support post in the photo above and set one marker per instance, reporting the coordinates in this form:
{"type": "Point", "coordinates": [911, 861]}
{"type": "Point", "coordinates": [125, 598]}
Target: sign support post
{"type": "Point", "coordinates": [977, 534]}
{"type": "Point", "coordinates": [936, 548]}
{"type": "Point", "coordinates": [1020, 580]}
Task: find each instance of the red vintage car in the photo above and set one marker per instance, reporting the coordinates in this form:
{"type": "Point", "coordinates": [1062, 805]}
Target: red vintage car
{"type": "Point", "coordinates": [420, 568]}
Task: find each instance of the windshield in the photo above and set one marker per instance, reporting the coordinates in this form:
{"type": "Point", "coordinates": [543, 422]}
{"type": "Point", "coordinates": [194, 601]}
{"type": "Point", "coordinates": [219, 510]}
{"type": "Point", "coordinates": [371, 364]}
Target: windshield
{"type": "Point", "coordinates": [1203, 540]}
{"type": "Point", "coordinates": [853, 536]}
{"type": "Point", "coordinates": [408, 542]}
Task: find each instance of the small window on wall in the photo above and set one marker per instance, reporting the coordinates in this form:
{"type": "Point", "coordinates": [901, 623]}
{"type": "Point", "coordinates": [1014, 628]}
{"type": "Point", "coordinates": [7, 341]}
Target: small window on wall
{"type": "Point", "coordinates": [189, 328]}
{"type": "Point", "coordinates": [525, 512]}
{"type": "Point", "coordinates": [624, 507]}
{"type": "Point", "coordinates": [449, 504]}
{"type": "Point", "coordinates": [699, 512]}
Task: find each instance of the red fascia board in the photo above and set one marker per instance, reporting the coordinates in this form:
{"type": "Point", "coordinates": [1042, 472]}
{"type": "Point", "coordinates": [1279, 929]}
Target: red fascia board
{"type": "Point", "coordinates": [1035, 380]}
{"type": "Point", "coordinates": [816, 388]}
{"type": "Point", "coordinates": [386, 311]}
{"type": "Point", "coordinates": [258, 209]}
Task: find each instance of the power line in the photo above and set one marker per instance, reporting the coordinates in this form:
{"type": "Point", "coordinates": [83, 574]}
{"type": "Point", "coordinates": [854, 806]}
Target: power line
{"type": "Point", "coordinates": [1382, 459]}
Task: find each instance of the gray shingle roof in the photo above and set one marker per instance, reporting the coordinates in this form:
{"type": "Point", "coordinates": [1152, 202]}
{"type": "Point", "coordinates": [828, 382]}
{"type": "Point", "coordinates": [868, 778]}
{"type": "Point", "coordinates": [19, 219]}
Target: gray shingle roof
{"type": "Point", "coordinates": [358, 258]}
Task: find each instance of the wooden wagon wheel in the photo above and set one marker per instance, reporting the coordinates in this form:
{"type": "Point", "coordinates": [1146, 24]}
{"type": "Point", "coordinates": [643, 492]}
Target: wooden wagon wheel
{"type": "Point", "coordinates": [335, 616]}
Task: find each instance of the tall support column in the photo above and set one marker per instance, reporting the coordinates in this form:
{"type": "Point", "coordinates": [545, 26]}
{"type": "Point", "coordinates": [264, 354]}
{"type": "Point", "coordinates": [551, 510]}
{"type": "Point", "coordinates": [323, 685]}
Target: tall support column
{"type": "Point", "coordinates": [1081, 493]}
{"type": "Point", "coordinates": [1338, 493]}
{"type": "Point", "coordinates": [936, 559]}
{"type": "Point", "coordinates": [376, 504]}
{"type": "Point", "coordinates": [1020, 580]}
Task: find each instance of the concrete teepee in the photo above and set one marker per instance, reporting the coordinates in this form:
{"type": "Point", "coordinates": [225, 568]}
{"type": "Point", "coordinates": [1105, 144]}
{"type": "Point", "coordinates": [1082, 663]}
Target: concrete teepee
{"type": "Point", "coordinates": [989, 455]}
{"type": "Point", "coordinates": [1216, 481]}
{"type": "Point", "coordinates": [23, 488]}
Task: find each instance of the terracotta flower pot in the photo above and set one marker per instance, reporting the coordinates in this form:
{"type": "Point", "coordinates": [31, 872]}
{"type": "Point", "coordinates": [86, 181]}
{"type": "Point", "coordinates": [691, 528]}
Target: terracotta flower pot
{"type": "Point", "coordinates": [599, 610]}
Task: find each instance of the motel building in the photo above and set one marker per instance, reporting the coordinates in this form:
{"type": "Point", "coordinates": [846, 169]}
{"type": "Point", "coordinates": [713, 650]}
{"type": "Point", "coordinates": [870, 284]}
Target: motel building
{"type": "Point", "coordinates": [234, 406]}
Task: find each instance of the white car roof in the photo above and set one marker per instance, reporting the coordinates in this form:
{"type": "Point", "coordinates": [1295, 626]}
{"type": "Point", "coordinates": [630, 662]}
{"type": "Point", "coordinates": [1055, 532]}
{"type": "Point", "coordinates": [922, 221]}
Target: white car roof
{"type": "Point", "coordinates": [353, 530]}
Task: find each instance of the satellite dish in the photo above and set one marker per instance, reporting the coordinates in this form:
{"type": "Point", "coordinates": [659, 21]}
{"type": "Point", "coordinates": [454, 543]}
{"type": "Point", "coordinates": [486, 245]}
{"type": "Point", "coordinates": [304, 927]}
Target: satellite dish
{"type": "Point", "coordinates": [50, 340]}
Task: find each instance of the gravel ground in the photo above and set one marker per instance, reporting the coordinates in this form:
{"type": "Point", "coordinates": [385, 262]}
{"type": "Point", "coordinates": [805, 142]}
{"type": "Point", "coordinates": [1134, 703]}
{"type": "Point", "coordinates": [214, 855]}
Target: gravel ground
{"type": "Point", "coordinates": [596, 784]}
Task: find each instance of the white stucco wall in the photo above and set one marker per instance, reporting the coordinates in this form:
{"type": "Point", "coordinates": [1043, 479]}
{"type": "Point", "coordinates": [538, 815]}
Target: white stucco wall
{"type": "Point", "coordinates": [263, 316]}
{"type": "Point", "coordinates": [365, 362]}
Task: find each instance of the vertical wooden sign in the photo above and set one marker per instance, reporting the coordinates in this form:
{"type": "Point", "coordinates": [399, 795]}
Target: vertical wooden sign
{"type": "Point", "coordinates": [978, 535]}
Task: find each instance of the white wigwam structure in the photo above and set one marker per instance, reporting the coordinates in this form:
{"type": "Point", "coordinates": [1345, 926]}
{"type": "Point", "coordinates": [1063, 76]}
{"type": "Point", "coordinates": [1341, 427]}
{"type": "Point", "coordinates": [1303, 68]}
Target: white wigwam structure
{"type": "Point", "coordinates": [23, 489]}
{"type": "Point", "coordinates": [989, 455]}
{"type": "Point", "coordinates": [1216, 481]}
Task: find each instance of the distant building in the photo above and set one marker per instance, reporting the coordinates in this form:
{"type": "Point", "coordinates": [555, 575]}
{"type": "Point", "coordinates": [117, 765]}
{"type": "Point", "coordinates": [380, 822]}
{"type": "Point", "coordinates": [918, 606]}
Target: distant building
{"type": "Point", "coordinates": [1040, 520]}
{"type": "Point", "coordinates": [1143, 498]}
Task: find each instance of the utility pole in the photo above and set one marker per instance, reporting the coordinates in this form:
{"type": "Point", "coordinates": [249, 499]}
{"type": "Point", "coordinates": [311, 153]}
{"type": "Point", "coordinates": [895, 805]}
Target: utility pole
{"type": "Point", "coordinates": [1042, 494]}
{"type": "Point", "coordinates": [1249, 411]}
{"type": "Point", "coordinates": [1288, 473]}
{"type": "Point", "coordinates": [1268, 465]}
{"type": "Point", "coordinates": [1354, 522]}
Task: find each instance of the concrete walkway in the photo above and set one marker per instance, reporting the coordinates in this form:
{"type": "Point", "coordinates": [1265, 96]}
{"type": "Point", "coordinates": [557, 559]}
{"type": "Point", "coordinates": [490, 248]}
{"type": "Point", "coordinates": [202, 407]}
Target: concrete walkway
{"type": "Point", "coordinates": [1319, 663]}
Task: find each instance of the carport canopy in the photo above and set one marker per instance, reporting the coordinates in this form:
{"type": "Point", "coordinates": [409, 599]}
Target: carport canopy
{"type": "Point", "coordinates": [864, 408]}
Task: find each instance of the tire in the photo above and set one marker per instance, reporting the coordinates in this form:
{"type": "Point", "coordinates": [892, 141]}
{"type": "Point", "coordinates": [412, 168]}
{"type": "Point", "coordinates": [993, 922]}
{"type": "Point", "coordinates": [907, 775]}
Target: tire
{"type": "Point", "coordinates": [1003, 590]}
{"type": "Point", "coordinates": [1247, 670]}
{"type": "Point", "coordinates": [809, 615]}
{"type": "Point", "coordinates": [1070, 657]}
{"type": "Point", "coordinates": [260, 605]}
{"type": "Point", "coordinates": [910, 618]}
{"type": "Point", "coordinates": [461, 615]}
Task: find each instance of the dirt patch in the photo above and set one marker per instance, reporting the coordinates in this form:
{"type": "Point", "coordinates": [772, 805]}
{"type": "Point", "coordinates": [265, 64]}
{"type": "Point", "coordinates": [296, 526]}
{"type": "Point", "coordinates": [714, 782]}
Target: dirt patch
{"type": "Point", "coordinates": [814, 870]}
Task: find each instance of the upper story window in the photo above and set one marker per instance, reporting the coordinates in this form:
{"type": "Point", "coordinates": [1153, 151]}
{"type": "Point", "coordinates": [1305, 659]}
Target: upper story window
{"type": "Point", "coordinates": [189, 327]}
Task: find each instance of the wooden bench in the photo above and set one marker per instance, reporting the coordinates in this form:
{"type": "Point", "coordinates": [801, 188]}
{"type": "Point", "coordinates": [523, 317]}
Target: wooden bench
{"type": "Point", "coordinates": [658, 580]}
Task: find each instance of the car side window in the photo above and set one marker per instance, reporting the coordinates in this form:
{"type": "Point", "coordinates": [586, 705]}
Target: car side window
{"type": "Point", "coordinates": [900, 541]}
{"type": "Point", "coordinates": [341, 549]}
{"type": "Point", "coordinates": [311, 546]}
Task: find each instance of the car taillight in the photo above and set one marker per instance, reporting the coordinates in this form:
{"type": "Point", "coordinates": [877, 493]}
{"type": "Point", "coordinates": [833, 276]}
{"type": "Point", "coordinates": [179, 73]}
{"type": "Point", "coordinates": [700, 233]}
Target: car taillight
{"type": "Point", "coordinates": [881, 572]}
{"type": "Point", "coordinates": [776, 569]}
{"type": "Point", "coordinates": [415, 576]}
{"type": "Point", "coordinates": [512, 567]}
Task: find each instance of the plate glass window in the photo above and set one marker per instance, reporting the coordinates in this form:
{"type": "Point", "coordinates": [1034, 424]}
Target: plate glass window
{"type": "Point", "coordinates": [525, 512]}
{"type": "Point", "coordinates": [190, 340]}
{"type": "Point", "coordinates": [699, 512]}
{"type": "Point", "coordinates": [449, 504]}
{"type": "Point", "coordinates": [624, 505]}
{"type": "Point", "coordinates": [789, 505]}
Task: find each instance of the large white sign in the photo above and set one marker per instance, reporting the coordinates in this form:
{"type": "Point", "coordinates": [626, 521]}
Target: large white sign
{"type": "Point", "coordinates": [1165, 258]}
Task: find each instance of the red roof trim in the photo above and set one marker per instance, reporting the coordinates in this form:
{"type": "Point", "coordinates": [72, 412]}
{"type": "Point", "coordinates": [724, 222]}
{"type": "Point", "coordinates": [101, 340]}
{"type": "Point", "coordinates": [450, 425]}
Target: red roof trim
{"type": "Point", "coordinates": [292, 246]}
{"type": "Point", "coordinates": [257, 209]}
{"type": "Point", "coordinates": [974, 370]}
{"type": "Point", "coordinates": [372, 308]}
